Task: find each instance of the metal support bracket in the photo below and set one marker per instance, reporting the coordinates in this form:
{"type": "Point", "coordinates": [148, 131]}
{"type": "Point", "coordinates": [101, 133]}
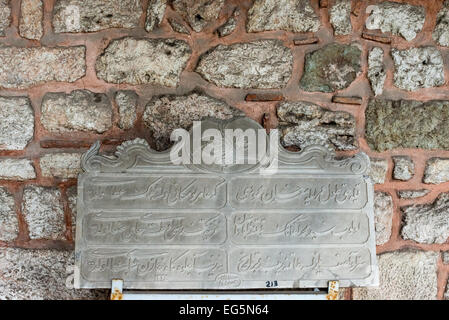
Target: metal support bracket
{"type": "Point", "coordinates": [117, 293]}
{"type": "Point", "coordinates": [332, 291]}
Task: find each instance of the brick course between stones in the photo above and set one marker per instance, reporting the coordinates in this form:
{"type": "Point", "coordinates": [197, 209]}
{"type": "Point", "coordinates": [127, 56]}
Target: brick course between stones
{"type": "Point", "coordinates": [69, 63]}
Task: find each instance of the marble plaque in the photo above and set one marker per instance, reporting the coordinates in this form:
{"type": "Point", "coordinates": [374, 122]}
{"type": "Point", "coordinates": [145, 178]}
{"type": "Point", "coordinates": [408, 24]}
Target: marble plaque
{"type": "Point", "coordinates": [158, 225]}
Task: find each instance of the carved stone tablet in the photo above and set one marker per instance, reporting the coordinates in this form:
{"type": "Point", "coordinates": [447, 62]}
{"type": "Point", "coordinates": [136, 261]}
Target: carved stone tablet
{"type": "Point", "coordinates": [158, 225]}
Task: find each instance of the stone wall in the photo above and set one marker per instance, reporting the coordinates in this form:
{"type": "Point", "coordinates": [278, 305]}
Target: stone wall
{"type": "Point", "coordinates": [356, 75]}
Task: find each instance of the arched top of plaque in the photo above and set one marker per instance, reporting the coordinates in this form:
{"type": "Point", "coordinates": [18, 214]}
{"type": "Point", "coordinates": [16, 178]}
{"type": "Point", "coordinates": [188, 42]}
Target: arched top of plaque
{"type": "Point", "coordinates": [137, 156]}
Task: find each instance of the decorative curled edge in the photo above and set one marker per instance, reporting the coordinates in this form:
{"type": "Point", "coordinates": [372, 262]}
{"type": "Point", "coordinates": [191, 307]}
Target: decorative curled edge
{"type": "Point", "coordinates": [312, 156]}
{"type": "Point", "coordinates": [92, 152]}
{"type": "Point", "coordinates": [124, 157]}
{"type": "Point", "coordinates": [122, 149]}
{"type": "Point", "coordinates": [324, 158]}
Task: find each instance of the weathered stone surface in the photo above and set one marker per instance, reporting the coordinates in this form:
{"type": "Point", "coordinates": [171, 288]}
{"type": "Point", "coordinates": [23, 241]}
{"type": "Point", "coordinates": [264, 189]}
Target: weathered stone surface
{"type": "Point", "coordinates": [427, 223]}
{"type": "Point", "coordinates": [303, 123]}
{"type": "Point", "coordinates": [441, 31]}
{"type": "Point", "coordinates": [143, 61]}
{"type": "Point", "coordinates": [178, 27]}
{"type": "Point", "coordinates": [417, 68]}
{"type": "Point", "coordinates": [412, 194]}
{"type": "Point", "coordinates": [404, 275]}
{"type": "Point", "coordinates": [404, 168]}
{"type": "Point", "coordinates": [16, 122]}
{"type": "Point", "coordinates": [95, 15]}
{"type": "Point", "coordinates": [376, 70]}
{"type": "Point", "coordinates": [25, 67]}
{"type": "Point", "coordinates": [155, 14]}
{"type": "Point", "coordinates": [61, 165]}
{"type": "Point", "coordinates": [43, 212]}
{"type": "Point", "coordinates": [127, 105]}
{"type": "Point", "coordinates": [288, 15]}
{"type": "Point", "coordinates": [333, 67]}
{"type": "Point", "coordinates": [5, 13]}
{"type": "Point", "coordinates": [31, 14]}
{"type": "Point", "coordinates": [80, 110]}
{"type": "Point", "coordinates": [437, 171]}
{"type": "Point", "coordinates": [9, 225]}
{"type": "Point", "coordinates": [165, 113]}
{"type": "Point", "coordinates": [198, 13]}
{"type": "Point", "coordinates": [378, 170]}
{"type": "Point", "coordinates": [398, 18]}
{"type": "Point", "coordinates": [16, 169]}
{"type": "Point", "coordinates": [383, 216]}
{"type": "Point", "coordinates": [40, 275]}
{"type": "Point", "coordinates": [340, 17]}
{"type": "Point", "coordinates": [230, 25]}
{"type": "Point", "coordinates": [259, 64]}
{"type": "Point", "coordinates": [446, 257]}
{"type": "Point", "coordinates": [407, 124]}
{"type": "Point", "coordinates": [72, 194]}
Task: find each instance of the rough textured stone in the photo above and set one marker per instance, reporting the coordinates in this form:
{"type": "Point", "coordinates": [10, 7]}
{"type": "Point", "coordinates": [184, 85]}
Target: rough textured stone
{"type": "Point", "coordinates": [72, 194]}
{"type": "Point", "coordinates": [16, 169]}
{"type": "Point", "coordinates": [259, 64]}
{"type": "Point", "coordinates": [81, 110]}
{"type": "Point", "coordinates": [61, 165]}
{"type": "Point", "coordinates": [333, 67]}
{"type": "Point", "coordinates": [412, 194]}
{"type": "Point", "coordinates": [127, 105]}
{"type": "Point", "coordinates": [178, 27]}
{"type": "Point", "coordinates": [25, 67]}
{"type": "Point", "coordinates": [437, 171]}
{"type": "Point", "coordinates": [404, 168]}
{"type": "Point", "coordinates": [304, 123]}
{"type": "Point", "coordinates": [142, 61]}
{"type": "Point", "coordinates": [288, 15]}
{"type": "Point", "coordinates": [378, 170]}
{"type": "Point", "coordinates": [404, 275]}
{"type": "Point", "coordinates": [95, 15]}
{"type": "Point", "coordinates": [427, 223]}
{"type": "Point", "coordinates": [16, 123]}
{"type": "Point", "coordinates": [446, 257]}
{"type": "Point", "coordinates": [340, 17]}
{"type": "Point", "coordinates": [417, 68]}
{"type": "Point", "coordinates": [43, 212]}
{"type": "Point", "coordinates": [155, 14]}
{"type": "Point", "coordinates": [230, 25]}
{"type": "Point", "coordinates": [198, 13]}
{"type": "Point", "coordinates": [383, 216]}
{"type": "Point", "coordinates": [31, 14]}
{"type": "Point", "coordinates": [40, 275]}
{"type": "Point", "coordinates": [5, 13]}
{"type": "Point", "coordinates": [376, 70]}
{"type": "Point", "coordinates": [165, 113]}
{"type": "Point", "coordinates": [398, 18]}
{"type": "Point", "coordinates": [9, 225]}
{"type": "Point", "coordinates": [407, 124]}
{"type": "Point", "coordinates": [441, 32]}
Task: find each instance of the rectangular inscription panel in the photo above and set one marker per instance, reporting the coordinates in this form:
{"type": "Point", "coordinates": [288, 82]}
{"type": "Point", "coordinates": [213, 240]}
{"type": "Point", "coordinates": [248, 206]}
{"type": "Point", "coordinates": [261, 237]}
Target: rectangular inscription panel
{"type": "Point", "coordinates": [156, 192]}
{"type": "Point", "coordinates": [289, 192]}
{"type": "Point", "coordinates": [265, 228]}
{"type": "Point", "coordinates": [157, 225]}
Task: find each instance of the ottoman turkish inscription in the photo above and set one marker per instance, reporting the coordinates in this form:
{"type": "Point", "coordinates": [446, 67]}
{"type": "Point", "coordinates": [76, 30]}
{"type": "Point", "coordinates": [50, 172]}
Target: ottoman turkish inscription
{"type": "Point", "coordinates": [158, 225]}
